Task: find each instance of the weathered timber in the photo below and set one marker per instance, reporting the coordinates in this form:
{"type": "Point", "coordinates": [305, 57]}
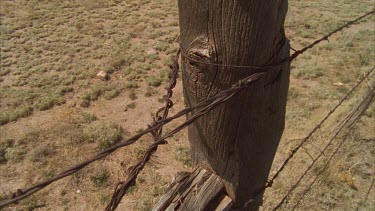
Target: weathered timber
{"type": "Point", "coordinates": [199, 190]}
{"type": "Point", "coordinates": [237, 140]}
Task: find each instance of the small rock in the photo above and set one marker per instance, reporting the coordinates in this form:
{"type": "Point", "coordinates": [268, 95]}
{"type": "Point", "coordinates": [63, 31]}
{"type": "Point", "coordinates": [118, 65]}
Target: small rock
{"type": "Point", "coordinates": [78, 191]}
{"type": "Point", "coordinates": [338, 84]}
{"type": "Point", "coordinates": [151, 51]}
{"type": "Point", "coordinates": [103, 75]}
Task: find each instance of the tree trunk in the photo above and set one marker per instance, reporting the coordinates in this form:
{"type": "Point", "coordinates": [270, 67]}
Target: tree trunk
{"type": "Point", "coordinates": [238, 139]}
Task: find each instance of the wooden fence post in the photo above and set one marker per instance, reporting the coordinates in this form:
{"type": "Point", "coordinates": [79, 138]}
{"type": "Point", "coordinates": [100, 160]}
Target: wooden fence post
{"type": "Point", "coordinates": [238, 140]}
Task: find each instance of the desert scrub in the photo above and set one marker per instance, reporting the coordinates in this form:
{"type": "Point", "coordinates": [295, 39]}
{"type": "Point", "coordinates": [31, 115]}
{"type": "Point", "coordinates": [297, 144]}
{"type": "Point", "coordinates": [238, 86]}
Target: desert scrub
{"type": "Point", "coordinates": [103, 134]}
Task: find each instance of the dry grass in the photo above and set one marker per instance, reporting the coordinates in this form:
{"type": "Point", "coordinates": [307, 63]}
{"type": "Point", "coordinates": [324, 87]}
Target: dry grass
{"type": "Point", "coordinates": [55, 112]}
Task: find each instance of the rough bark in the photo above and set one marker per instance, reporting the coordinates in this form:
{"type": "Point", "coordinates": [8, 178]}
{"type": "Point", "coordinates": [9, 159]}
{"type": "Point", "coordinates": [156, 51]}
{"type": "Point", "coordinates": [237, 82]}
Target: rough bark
{"type": "Point", "coordinates": [237, 140]}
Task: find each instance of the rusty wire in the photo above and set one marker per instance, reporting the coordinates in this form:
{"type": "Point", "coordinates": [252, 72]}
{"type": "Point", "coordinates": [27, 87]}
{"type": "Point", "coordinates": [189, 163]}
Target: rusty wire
{"type": "Point", "coordinates": [295, 150]}
{"type": "Point", "coordinates": [122, 187]}
{"type": "Point", "coordinates": [204, 107]}
{"type": "Point", "coordinates": [304, 140]}
{"type": "Point", "coordinates": [325, 38]}
{"type": "Point", "coordinates": [119, 193]}
{"type": "Point", "coordinates": [350, 128]}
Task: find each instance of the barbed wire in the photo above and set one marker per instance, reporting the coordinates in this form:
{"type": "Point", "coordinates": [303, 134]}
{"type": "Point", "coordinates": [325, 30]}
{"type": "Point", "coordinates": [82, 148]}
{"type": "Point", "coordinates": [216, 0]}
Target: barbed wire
{"type": "Point", "coordinates": [294, 56]}
{"type": "Point", "coordinates": [122, 187]}
{"type": "Point", "coordinates": [204, 107]}
{"type": "Point", "coordinates": [201, 108]}
{"type": "Point", "coordinates": [325, 38]}
{"type": "Point", "coordinates": [348, 124]}
{"type": "Point", "coordinates": [304, 140]}
{"type": "Point", "coordinates": [345, 137]}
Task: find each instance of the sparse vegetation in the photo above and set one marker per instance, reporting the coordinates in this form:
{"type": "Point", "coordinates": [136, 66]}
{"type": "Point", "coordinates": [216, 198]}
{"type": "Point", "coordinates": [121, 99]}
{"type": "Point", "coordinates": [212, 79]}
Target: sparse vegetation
{"type": "Point", "coordinates": [132, 95]}
{"type": "Point", "coordinates": [100, 179]}
{"type": "Point", "coordinates": [87, 117]}
{"type": "Point", "coordinates": [103, 134]}
{"type": "Point", "coordinates": [52, 51]}
{"type": "Point", "coordinates": [154, 81]}
{"type": "Point", "coordinates": [15, 154]}
{"type": "Point", "coordinates": [20, 112]}
{"type": "Point", "coordinates": [131, 105]}
{"type": "Point", "coordinates": [182, 154]}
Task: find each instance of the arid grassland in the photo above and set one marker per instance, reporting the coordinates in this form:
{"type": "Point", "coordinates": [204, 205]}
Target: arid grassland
{"type": "Point", "coordinates": [55, 111]}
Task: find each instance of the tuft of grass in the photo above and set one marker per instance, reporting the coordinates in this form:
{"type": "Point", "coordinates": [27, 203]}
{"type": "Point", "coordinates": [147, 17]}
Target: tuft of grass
{"type": "Point", "coordinates": [88, 117]}
{"type": "Point", "coordinates": [364, 60]}
{"type": "Point", "coordinates": [32, 203]}
{"type": "Point", "coordinates": [293, 93]}
{"type": "Point", "coordinates": [8, 143]}
{"type": "Point", "coordinates": [101, 179]}
{"type": "Point", "coordinates": [182, 154]}
{"type": "Point", "coordinates": [161, 46]}
{"type": "Point", "coordinates": [133, 95]}
{"type": "Point", "coordinates": [13, 115]}
{"type": "Point", "coordinates": [104, 199]}
{"type": "Point", "coordinates": [370, 112]}
{"type": "Point", "coordinates": [109, 95]}
{"type": "Point", "coordinates": [131, 85]}
{"type": "Point", "coordinates": [145, 204]}
{"type": "Point", "coordinates": [4, 72]}
{"type": "Point", "coordinates": [104, 134]}
{"type": "Point", "coordinates": [153, 81]}
{"type": "Point", "coordinates": [131, 105]}
{"type": "Point", "coordinates": [40, 153]}
{"type": "Point", "coordinates": [127, 71]}
{"type": "Point", "coordinates": [48, 101]}
{"type": "Point", "coordinates": [309, 73]}
{"type": "Point", "coordinates": [132, 189]}
{"type": "Point", "coordinates": [15, 154]}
